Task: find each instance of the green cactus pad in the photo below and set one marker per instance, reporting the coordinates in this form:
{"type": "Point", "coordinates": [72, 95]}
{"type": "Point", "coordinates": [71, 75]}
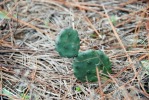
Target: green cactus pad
{"type": "Point", "coordinates": [104, 60]}
{"type": "Point", "coordinates": [68, 43]}
{"type": "Point", "coordinates": [85, 64]}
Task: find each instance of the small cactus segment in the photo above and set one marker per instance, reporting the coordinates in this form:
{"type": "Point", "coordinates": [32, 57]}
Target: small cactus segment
{"type": "Point", "coordinates": [104, 60]}
{"type": "Point", "coordinates": [85, 64]}
{"type": "Point", "coordinates": [68, 43]}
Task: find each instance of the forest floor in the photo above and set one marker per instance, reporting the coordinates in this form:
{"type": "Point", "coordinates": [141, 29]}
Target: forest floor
{"type": "Point", "coordinates": [31, 69]}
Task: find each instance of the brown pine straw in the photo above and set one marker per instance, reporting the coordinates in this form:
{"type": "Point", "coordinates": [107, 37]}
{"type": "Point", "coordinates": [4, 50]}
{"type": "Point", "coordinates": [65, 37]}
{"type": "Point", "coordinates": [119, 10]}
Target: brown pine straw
{"type": "Point", "coordinates": [92, 26]}
{"type": "Point", "coordinates": [54, 74]}
{"type": "Point", "coordinates": [120, 42]}
{"type": "Point", "coordinates": [99, 83]}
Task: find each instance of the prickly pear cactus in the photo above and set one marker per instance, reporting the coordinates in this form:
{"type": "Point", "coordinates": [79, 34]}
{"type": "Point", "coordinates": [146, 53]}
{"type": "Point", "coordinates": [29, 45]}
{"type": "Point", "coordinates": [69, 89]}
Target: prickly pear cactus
{"type": "Point", "coordinates": [104, 60]}
{"type": "Point", "coordinates": [85, 64]}
{"type": "Point", "coordinates": [68, 43]}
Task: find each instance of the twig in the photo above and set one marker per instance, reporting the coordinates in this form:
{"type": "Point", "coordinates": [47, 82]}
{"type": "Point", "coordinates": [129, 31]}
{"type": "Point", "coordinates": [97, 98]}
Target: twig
{"type": "Point", "coordinates": [99, 82]}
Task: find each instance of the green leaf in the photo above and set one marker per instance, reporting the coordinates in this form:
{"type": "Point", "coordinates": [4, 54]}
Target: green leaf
{"type": "Point", "coordinates": [113, 19]}
{"type": "Point", "coordinates": [26, 97]}
{"type": "Point", "coordinates": [145, 64]}
{"type": "Point", "coordinates": [46, 22]}
{"type": "Point", "coordinates": [93, 35]}
{"type": "Point", "coordinates": [3, 15]}
{"type": "Point", "coordinates": [78, 89]}
{"type": "Point", "coordinates": [6, 92]}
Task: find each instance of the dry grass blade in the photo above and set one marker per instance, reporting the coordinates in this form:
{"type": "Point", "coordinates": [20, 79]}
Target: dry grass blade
{"type": "Point", "coordinates": [120, 42]}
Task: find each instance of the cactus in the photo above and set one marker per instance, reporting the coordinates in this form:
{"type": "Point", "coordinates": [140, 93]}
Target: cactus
{"type": "Point", "coordinates": [68, 43]}
{"type": "Point", "coordinates": [85, 64]}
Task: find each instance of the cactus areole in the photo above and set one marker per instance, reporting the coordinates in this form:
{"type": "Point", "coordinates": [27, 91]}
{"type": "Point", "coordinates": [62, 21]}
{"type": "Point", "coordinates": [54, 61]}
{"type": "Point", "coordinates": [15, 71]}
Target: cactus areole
{"type": "Point", "coordinates": [85, 64]}
{"type": "Point", "coordinates": [68, 43]}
